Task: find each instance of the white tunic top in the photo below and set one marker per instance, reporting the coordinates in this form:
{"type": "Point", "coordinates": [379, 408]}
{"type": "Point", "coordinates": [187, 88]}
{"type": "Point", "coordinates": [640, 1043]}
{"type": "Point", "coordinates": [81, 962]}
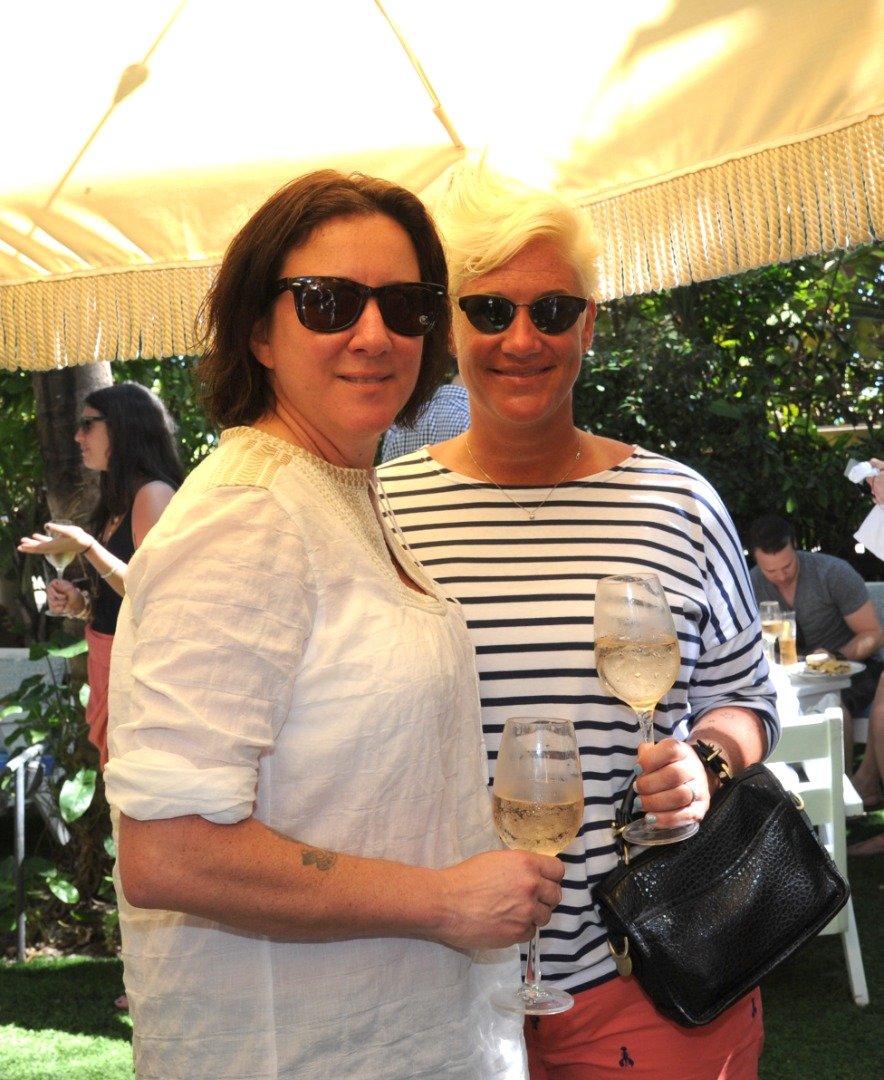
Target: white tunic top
{"type": "Point", "coordinates": [270, 662]}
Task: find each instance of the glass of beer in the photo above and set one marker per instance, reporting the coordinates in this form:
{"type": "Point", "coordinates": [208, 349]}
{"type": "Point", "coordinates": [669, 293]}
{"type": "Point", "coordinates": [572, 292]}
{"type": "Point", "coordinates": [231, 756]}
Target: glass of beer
{"type": "Point", "coordinates": [788, 636]}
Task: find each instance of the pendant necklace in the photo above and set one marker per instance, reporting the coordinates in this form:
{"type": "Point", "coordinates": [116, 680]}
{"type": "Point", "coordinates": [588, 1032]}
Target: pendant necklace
{"type": "Point", "coordinates": [532, 514]}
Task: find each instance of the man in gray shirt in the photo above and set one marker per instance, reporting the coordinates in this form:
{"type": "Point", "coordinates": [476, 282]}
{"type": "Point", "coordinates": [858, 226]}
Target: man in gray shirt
{"type": "Point", "coordinates": [833, 610]}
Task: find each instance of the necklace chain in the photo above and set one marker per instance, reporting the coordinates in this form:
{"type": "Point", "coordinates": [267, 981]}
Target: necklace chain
{"type": "Point", "coordinates": [532, 514]}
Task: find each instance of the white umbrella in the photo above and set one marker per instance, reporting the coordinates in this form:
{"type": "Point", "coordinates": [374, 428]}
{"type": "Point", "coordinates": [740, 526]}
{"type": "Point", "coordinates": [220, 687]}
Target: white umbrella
{"type": "Point", "coordinates": [703, 137]}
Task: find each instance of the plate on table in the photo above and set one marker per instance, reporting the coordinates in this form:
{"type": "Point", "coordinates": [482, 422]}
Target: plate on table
{"type": "Point", "coordinates": [834, 669]}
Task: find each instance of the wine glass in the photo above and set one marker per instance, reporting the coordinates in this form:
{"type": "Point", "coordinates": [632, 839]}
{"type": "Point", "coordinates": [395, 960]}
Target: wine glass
{"type": "Point", "coordinates": [637, 658]}
{"type": "Point", "coordinates": [59, 561]}
{"type": "Point", "coordinates": [771, 616]}
{"type": "Point", "coordinates": [538, 806]}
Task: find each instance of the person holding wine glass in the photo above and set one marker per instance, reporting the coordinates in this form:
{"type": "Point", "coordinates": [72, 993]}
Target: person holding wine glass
{"type": "Point", "coordinates": [310, 880]}
{"type": "Point", "coordinates": [518, 519]}
{"type": "Point", "coordinates": [126, 434]}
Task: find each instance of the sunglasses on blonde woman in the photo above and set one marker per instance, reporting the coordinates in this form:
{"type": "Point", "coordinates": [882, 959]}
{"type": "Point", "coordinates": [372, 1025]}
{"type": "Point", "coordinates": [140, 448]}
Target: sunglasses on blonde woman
{"type": "Point", "coordinates": [327, 305]}
{"type": "Point", "coordinates": [550, 314]}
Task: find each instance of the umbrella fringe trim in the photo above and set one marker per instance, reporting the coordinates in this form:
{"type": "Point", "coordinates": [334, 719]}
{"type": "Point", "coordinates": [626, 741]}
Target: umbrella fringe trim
{"type": "Point", "coordinates": [143, 313]}
{"type": "Point", "coordinates": [773, 206]}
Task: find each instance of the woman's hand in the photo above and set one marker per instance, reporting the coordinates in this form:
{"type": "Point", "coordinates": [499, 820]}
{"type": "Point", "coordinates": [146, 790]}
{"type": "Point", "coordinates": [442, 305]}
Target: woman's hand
{"type": "Point", "coordinates": [498, 898]}
{"type": "Point", "coordinates": [673, 783]}
{"type": "Point", "coordinates": [63, 538]}
{"type": "Point", "coordinates": [63, 598]}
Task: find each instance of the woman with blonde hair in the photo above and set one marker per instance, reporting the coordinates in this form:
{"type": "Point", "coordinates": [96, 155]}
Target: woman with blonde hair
{"type": "Point", "coordinates": [518, 518]}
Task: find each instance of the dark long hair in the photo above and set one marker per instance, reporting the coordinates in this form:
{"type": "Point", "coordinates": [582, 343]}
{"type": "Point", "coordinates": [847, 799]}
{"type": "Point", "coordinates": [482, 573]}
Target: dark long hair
{"type": "Point", "coordinates": [235, 386]}
{"type": "Point", "coordinates": [142, 438]}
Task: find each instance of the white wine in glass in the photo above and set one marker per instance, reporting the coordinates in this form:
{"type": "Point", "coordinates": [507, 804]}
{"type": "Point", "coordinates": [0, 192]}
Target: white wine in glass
{"type": "Point", "coordinates": [538, 806]}
{"type": "Point", "coordinates": [771, 615]}
{"type": "Point", "coordinates": [59, 561]}
{"type": "Point", "coordinates": [637, 658]}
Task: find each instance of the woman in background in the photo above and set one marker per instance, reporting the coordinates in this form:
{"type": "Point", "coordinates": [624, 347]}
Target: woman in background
{"type": "Point", "coordinates": [867, 778]}
{"type": "Point", "coordinates": [126, 434]}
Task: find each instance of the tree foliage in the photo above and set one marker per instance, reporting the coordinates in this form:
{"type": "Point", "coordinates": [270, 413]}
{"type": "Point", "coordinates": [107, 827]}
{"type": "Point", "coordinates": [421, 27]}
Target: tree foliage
{"type": "Point", "coordinates": [736, 377]}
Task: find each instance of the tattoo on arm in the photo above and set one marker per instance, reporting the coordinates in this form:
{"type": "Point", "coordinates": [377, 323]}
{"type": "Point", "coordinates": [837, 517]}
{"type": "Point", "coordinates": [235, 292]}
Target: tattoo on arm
{"type": "Point", "coordinates": [322, 860]}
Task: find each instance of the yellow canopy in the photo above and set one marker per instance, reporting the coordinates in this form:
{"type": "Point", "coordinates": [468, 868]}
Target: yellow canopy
{"type": "Point", "coordinates": [703, 137]}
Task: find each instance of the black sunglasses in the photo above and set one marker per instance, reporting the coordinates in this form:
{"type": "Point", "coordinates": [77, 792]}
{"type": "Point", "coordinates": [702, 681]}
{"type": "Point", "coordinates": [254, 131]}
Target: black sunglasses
{"type": "Point", "coordinates": [330, 304]}
{"type": "Point", "coordinates": [550, 314]}
{"type": "Point", "coordinates": [85, 422]}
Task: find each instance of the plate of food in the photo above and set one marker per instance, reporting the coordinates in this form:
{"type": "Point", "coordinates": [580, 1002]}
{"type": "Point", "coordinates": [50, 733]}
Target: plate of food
{"type": "Point", "coordinates": [822, 666]}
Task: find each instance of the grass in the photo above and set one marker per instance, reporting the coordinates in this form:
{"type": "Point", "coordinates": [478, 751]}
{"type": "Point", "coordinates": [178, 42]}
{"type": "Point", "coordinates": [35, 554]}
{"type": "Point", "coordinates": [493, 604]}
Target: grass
{"type": "Point", "coordinates": [58, 1021]}
{"type": "Point", "coordinates": [813, 1028]}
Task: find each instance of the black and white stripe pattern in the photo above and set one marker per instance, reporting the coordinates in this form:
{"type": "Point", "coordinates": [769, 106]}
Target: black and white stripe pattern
{"type": "Point", "coordinates": [527, 589]}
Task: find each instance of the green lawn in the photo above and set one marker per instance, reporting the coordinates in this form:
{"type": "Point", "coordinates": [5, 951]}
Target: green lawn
{"type": "Point", "coordinates": [813, 1028]}
{"type": "Point", "coordinates": [58, 1021]}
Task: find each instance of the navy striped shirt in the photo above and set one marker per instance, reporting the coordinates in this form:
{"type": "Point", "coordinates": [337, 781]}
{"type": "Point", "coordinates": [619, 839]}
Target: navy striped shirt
{"type": "Point", "coordinates": [527, 588]}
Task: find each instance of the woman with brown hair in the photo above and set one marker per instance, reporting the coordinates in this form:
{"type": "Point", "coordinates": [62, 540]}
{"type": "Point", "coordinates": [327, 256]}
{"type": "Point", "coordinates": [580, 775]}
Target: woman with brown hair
{"type": "Point", "coordinates": [305, 837]}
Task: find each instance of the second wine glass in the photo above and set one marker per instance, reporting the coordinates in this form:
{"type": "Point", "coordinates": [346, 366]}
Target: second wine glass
{"type": "Point", "coordinates": [538, 806]}
{"type": "Point", "coordinates": [771, 615]}
{"type": "Point", "coordinates": [637, 658]}
{"type": "Point", "coordinates": [59, 561]}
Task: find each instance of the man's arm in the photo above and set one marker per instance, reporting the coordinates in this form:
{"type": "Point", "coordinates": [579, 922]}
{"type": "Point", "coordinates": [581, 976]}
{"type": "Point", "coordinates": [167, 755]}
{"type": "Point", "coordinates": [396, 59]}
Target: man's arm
{"type": "Point", "coordinates": [868, 635]}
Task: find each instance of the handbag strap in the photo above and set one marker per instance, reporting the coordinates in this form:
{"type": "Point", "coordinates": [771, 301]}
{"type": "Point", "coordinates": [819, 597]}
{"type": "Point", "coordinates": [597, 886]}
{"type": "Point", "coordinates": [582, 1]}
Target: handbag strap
{"type": "Point", "coordinates": [711, 757]}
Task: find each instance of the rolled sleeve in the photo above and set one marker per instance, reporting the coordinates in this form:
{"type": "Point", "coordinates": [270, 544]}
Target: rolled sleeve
{"type": "Point", "coordinates": [207, 649]}
{"type": "Point", "coordinates": [151, 784]}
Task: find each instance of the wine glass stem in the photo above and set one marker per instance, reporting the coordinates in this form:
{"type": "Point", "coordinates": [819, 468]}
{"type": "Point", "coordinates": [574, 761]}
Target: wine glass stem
{"type": "Point", "coordinates": [532, 968]}
{"type": "Point", "coordinates": [646, 724]}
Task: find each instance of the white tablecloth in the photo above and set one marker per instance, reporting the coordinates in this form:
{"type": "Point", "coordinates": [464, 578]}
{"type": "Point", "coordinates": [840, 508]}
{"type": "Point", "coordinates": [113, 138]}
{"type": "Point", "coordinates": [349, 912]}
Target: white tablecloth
{"type": "Point", "coordinates": [797, 696]}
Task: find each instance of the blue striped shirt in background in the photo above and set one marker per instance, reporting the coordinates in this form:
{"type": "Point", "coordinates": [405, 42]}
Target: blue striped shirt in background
{"type": "Point", "coordinates": [446, 415]}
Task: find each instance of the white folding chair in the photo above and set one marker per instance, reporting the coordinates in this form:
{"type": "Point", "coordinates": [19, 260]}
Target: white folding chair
{"type": "Point", "coordinates": [814, 748]}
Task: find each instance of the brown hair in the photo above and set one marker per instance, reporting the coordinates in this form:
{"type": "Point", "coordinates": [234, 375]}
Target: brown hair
{"type": "Point", "coordinates": [236, 387]}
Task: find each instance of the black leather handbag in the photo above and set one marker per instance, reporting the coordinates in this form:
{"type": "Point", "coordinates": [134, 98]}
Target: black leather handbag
{"type": "Point", "coordinates": [701, 922]}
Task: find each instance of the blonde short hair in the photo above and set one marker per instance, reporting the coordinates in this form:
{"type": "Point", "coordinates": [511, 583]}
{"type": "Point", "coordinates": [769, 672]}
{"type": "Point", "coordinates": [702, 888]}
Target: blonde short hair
{"type": "Point", "coordinates": [486, 219]}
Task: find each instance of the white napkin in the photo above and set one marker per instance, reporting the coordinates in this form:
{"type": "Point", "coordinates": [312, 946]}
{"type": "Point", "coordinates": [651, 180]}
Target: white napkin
{"type": "Point", "coordinates": [857, 471]}
{"type": "Point", "coordinates": [871, 533]}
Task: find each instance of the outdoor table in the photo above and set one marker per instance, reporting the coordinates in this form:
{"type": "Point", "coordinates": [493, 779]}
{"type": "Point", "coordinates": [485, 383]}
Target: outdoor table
{"type": "Point", "coordinates": [798, 695]}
